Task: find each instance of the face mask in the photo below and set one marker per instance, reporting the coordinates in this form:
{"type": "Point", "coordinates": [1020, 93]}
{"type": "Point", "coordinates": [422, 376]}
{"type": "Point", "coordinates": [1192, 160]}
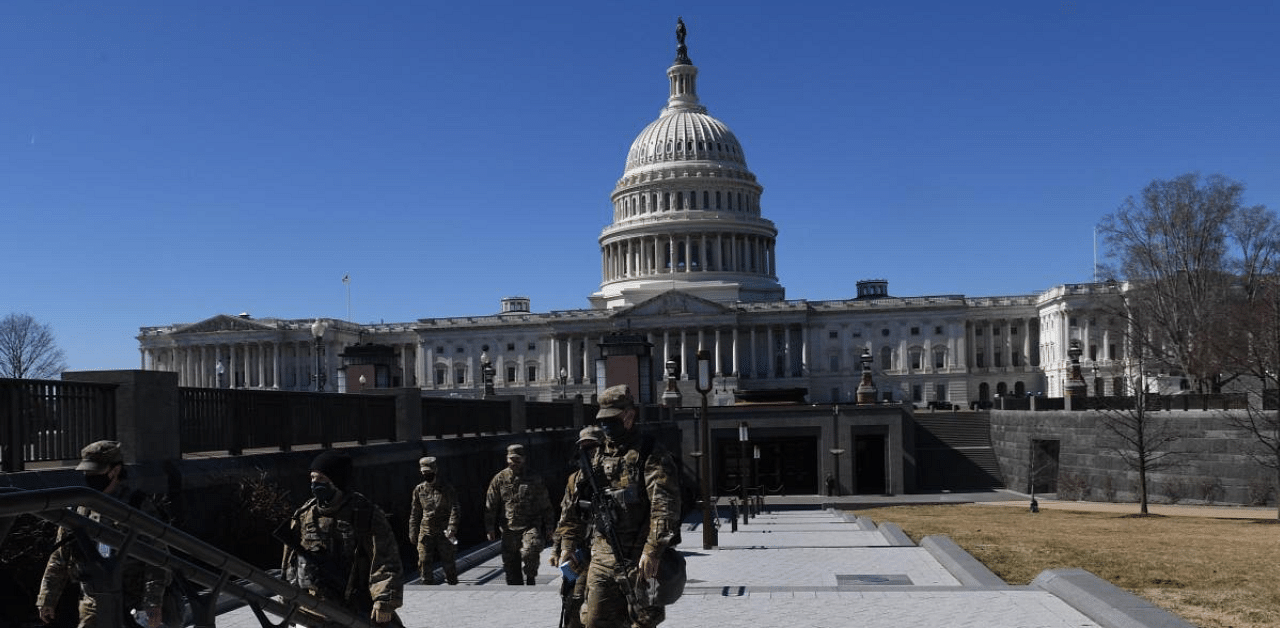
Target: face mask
{"type": "Point", "coordinates": [98, 482]}
{"type": "Point", "coordinates": [429, 477]}
{"type": "Point", "coordinates": [324, 492]}
{"type": "Point", "coordinates": [612, 427]}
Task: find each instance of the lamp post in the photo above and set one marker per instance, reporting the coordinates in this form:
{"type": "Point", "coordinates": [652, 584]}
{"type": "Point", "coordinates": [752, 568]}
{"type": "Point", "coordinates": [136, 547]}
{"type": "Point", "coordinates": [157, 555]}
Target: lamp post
{"type": "Point", "coordinates": [564, 381]}
{"type": "Point", "coordinates": [486, 371]}
{"type": "Point", "coordinates": [704, 460]}
{"type": "Point", "coordinates": [671, 396]}
{"type": "Point", "coordinates": [221, 371]}
{"type": "Point", "coordinates": [363, 381]}
{"type": "Point", "coordinates": [835, 455]}
{"type": "Point", "coordinates": [317, 331]}
{"type": "Point", "coordinates": [742, 457]}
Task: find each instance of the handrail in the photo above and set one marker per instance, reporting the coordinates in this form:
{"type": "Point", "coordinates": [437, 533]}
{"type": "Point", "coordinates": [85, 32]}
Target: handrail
{"type": "Point", "coordinates": [152, 537]}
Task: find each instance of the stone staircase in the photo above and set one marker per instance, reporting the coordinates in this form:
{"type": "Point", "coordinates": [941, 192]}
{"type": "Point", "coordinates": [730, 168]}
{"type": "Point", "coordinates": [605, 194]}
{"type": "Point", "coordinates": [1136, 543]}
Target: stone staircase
{"type": "Point", "coordinates": [953, 452]}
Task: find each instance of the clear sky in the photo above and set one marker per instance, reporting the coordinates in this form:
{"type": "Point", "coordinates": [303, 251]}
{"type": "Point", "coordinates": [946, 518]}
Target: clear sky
{"type": "Point", "coordinates": [164, 162]}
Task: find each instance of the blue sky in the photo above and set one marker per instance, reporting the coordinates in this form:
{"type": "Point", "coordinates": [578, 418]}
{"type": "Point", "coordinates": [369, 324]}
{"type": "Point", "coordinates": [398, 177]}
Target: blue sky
{"type": "Point", "coordinates": [163, 162]}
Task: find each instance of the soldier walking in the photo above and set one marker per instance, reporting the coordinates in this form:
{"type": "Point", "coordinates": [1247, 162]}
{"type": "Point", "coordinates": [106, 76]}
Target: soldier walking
{"type": "Point", "coordinates": [433, 523]}
{"type": "Point", "coordinates": [518, 510]}
{"type": "Point", "coordinates": [641, 478]}
{"type": "Point", "coordinates": [144, 585]}
{"type": "Point", "coordinates": [341, 548]}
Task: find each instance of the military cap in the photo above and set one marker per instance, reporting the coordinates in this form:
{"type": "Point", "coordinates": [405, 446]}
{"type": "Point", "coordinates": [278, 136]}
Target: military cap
{"type": "Point", "coordinates": [515, 451]}
{"type": "Point", "coordinates": [590, 433]}
{"type": "Point", "coordinates": [100, 456]}
{"type": "Point", "coordinates": [614, 401]}
{"type": "Point", "coordinates": [427, 462]}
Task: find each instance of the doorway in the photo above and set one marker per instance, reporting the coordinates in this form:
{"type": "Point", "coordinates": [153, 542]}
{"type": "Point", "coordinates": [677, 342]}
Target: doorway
{"type": "Point", "coordinates": [868, 464]}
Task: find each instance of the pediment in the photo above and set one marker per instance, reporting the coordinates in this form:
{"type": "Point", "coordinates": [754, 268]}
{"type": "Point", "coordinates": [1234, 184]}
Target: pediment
{"type": "Point", "coordinates": [223, 322]}
{"type": "Point", "coordinates": [673, 303]}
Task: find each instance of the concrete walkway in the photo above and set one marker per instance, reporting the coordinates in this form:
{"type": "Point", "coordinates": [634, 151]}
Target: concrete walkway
{"type": "Point", "coordinates": [805, 565]}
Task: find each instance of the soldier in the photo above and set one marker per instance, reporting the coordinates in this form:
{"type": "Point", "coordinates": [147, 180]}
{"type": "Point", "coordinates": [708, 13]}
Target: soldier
{"type": "Point", "coordinates": [340, 546]}
{"type": "Point", "coordinates": [433, 523]}
{"type": "Point", "coordinates": [641, 478]}
{"type": "Point", "coordinates": [143, 585]}
{"type": "Point", "coordinates": [574, 592]}
{"type": "Point", "coordinates": [526, 517]}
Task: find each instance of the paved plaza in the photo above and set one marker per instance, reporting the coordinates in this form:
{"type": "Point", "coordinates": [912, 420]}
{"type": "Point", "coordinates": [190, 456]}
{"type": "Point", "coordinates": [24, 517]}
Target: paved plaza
{"type": "Point", "coordinates": [804, 567]}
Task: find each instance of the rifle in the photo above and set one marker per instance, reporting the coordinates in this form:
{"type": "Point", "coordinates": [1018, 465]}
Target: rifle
{"type": "Point", "coordinates": [314, 570]}
{"type": "Point", "coordinates": [604, 515]}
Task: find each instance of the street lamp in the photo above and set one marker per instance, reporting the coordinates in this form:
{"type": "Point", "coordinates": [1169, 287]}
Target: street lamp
{"type": "Point", "coordinates": [835, 453]}
{"type": "Point", "coordinates": [221, 371]}
{"type": "Point", "coordinates": [363, 381]}
{"type": "Point", "coordinates": [564, 381]}
{"type": "Point", "coordinates": [317, 331]}
{"type": "Point", "coordinates": [671, 396]}
{"type": "Point", "coordinates": [703, 386]}
{"type": "Point", "coordinates": [486, 371]}
{"type": "Point", "coordinates": [742, 479]}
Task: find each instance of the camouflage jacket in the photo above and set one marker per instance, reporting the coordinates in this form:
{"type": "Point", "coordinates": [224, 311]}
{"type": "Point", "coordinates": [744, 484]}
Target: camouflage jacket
{"type": "Point", "coordinates": [142, 582]}
{"type": "Point", "coordinates": [645, 495]}
{"type": "Point", "coordinates": [354, 537]}
{"type": "Point", "coordinates": [434, 510]}
{"type": "Point", "coordinates": [523, 501]}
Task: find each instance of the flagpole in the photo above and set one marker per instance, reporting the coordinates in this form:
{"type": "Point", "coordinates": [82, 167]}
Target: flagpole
{"type": "Point", "coordinates": [346, 281]}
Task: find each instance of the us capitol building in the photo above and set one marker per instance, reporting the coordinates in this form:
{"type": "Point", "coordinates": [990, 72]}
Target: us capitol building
{"type": "Point", "coordinates": [688, 263]}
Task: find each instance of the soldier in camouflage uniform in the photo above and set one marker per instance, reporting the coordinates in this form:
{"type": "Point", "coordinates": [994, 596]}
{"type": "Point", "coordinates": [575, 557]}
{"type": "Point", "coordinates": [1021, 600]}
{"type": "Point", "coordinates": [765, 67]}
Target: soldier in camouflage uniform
{"type": "Point", "coordinates": [518, 510]}
{"type": "Point", "coordinates": [574, 593]}
{"type": "Point", "coordinates": [344, 529]}
{"type": "Point", "coordinates": [647, 494]}
{"type": "Point", "coordinates": [143, 585]}
{"type": "Point", "coordinates": [433, 523]}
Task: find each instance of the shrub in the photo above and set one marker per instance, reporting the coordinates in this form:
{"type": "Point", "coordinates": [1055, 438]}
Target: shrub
{"type": "Point", "coordinates": [1211, 490]}
{"type": "Point", "coordinates": [1073, 486]}
{"type": "Point", "coordinates": [1260, 491]}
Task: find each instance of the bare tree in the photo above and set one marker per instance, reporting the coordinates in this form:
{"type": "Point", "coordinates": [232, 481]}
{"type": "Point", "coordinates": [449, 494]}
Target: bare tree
{"type": "Point", "coordinates": [1143, 435]}
{"type": "Point", "coordinates": [1188, 251]}
{"type": "Point", "coordinates": [28, 349]}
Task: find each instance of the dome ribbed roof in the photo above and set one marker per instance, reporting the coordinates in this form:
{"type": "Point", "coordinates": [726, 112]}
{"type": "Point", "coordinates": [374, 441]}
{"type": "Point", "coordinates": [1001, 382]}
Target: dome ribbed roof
{"type": "Point", "coordinates": [684, 135]}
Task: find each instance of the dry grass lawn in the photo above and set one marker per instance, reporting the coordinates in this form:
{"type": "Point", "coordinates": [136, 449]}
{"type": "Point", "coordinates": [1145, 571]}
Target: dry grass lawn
{"type": "Point", "coordinates": [1215, 573]}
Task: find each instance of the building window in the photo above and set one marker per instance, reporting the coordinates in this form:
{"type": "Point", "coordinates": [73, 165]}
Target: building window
{"type": "Point", "coordinates": [1013, 331]}
{"type": "Point", "coordinates": [531, 373]}
{"type": "Point", "coordinates": [1111, 352]}
{"type": "Point", "coordinates": [1017, 359]}
{"type": "Point", "coordinates": [977, 331]}
{"type": "Point", "coordinates": [1093, 352]}
{"type": "Point", "coordinates": [915, 359]}
{"type": "Point", "coordinates": [440, 376]}
{"type": "Point", "coordinates": [533, 346]}
{"type": "Point", "coordinates": [511, 373]}
{"type": "Point", "coordinates": [884, 332]}
{"type": "Point", "coordinates": [834, 363]}
{"type": "Point", "coordinates": [915, 331]}
{"type": "Point", "coordinates": [939, 359]}
{"type": "Point", "coordinates": [980, 359]}
{"type": "Point", "coordinates": [439, 348]}
{"type": "Point", "coordinates": [886, 358]}
{"type": "Point", "coordinates": [856, 334]}
{"type": "Point", "coordinates": [940, 392]}
{"type": "Point", "coordinates": [458, 350]}
{"type": "Point", "coordinates": [460, 374]}
{"type": "Point", "coordinates": [997, 359]}
{"type": "Point", "coordinates": [937, 330]}
{"type": "Point", "coordinates": [833, 334]}
{"type": "Point", "coordinates": [917, 392]}
{"type": "Point", "coordinates": [511, 346]}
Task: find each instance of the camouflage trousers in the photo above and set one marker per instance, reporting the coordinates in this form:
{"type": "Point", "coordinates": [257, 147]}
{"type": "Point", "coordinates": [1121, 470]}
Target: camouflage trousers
{"type": "Point", "coordinates": [433, 547]}
{"type": "Point", "coordinates": [171, 613]}
{"type": "Point", "coordinates": [520, 551]}
{"type": "Point", "coordinates": [606, 604]}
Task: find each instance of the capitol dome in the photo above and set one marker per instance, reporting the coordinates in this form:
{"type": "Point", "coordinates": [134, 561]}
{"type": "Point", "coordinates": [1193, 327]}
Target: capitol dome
{"type": "Point", "coordinates": [686, 211]}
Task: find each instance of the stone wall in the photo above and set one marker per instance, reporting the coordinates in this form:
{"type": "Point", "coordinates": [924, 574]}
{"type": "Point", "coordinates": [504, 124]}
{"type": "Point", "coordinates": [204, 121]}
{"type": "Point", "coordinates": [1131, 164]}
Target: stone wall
{"type": "Point", "coordinates": [1210, 459]}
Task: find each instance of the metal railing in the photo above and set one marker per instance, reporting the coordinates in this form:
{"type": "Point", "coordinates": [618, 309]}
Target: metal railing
{"type": "Point", "coordinates": [150, 540]}
{"type": "Point", "coordinates": [49, 420]}
{"type": "Point", "coordinates": [215, 419]}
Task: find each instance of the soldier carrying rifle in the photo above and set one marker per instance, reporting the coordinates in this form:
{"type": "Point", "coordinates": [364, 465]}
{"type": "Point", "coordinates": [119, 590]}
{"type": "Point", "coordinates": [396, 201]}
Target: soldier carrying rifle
{"type": "Point", "coordinates": [636, 511]}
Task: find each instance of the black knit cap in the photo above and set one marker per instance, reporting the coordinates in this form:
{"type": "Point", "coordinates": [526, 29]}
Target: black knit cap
{"type": "Point", "coordinates": [336, 465]}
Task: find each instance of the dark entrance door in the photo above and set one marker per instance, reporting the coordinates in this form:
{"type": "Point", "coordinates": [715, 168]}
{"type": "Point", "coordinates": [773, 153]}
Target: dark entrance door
{"type": "Point", "coordinates": [1044, 465]}
{"type": "Point", "coordinates": [868, 464]}
{"type": "Point", "coordinates": [786, 465]}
